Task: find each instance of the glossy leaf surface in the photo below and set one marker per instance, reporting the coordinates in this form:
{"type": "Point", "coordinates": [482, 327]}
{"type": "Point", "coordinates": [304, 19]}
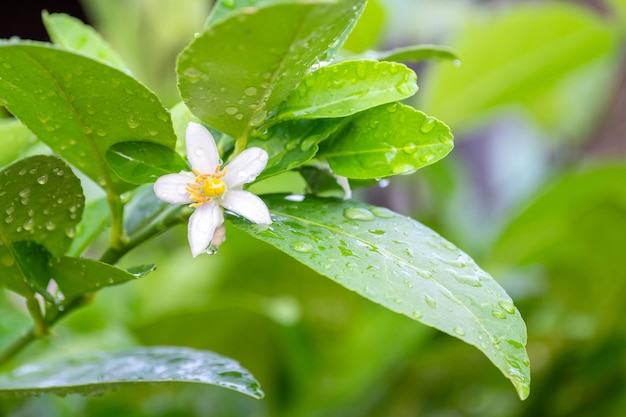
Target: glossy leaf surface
{"type": "Point", "coordinates": [342, 89]}
{"type": "Point", "coordinates": [143, 162]}
{"type": "Point", "coordinates": [97, 372]}
{"type": "Point", "coordinates": [83, 106]}
{"type": "Point", "coordinates": [41, 200]}
{"type": "Point", "coordinates": [271, 48]}
{"type": "Point", "coordinates": [392, 139]}
{"type": "Point", "coordinates": [408, 268]}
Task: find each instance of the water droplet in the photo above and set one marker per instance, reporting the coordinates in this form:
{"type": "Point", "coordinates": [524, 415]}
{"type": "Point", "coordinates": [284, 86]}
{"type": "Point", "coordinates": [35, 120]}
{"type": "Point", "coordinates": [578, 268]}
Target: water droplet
{"type": "Point", "coordinates": [428, 158]}
{"type": "Point", "coordinates": [382, 212]}
{"type": "Point", "coordinates": [7, 260]}
{"type": "Point", "coordinates": [404, 88]}
{"type": "Point", "coordinates": [231, 110]}
{"type": "Point", "coordinates": [132, 123]}
{"type": "Point", "coordinates": [498, 314]}
{"type": "Point", "coordinates": [417, 315]}
{"type": "Point", "coordinates": [50, 225]}
{"type": "Point", "coordinates": [308, 144]}
{"type": "Point", "coordinates": [428, 125]}
{"type": "Point", "coordinates": [8, 219]}
{"type": "Point", "coordinates": [291, 145]}
{"type": "Point", "coordinates": [25, 193]}
{"type": "Point", "coordinates": [29, 225]}
{"type": "Point", "coordinates": [459, 331]}
{"type": "Point", "coordinates": [469, 280]}
{"type": "Point", "coordinates": [456, 62]}
{"type": "Point", "coordinates": [250, 91]}
{"type": "Point", "coordinates": [410, 149]}
{"type": "Point", "coordinates": [358, 213]}
{"type": "Point", "coordinates": [101, 132]}
{"type": "Point", "coordinates": [507, 306]}
{"type": "Point", "coordinates": [42, 180]}
{"type": "Point", "coordinates": [302, 247]}
{"type": "Point", "coordinates": [430, 301]}
{"type": "Point", "coordinates": [70, 232]}
{"type": "Point", "coordinates": [361, 70]}
{"type": "Point", "coordinates": [22, 171]}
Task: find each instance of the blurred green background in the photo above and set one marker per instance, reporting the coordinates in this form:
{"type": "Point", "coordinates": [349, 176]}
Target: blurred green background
{"type": "Point", "coordinates": [534, 191]}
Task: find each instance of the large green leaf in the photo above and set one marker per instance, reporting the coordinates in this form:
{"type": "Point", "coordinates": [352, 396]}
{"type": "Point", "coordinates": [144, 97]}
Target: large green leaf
{"type": "Point", "coordinates": [399, 263]}
{"type": "Point", "coordinates": [80, 107]}
{"type": "Point", "coordinates": [223, 8]}
{"type": "Point", "coordinates": [537, 57]}
{"type": "Point", "coordinates": [413, 53]}
{"type": "Point", "coordinates": [241, 68]}
{"type": "Point", "coordinates": [73, 35]}
{"type": "Point", "coordinates": [41, 200]}
{"type": "Point", "coordinates": [392, 139]}
{"type": "Point", "coordinates": [97, 372]}
{"type": "Point", "coordinates": [346, 88]}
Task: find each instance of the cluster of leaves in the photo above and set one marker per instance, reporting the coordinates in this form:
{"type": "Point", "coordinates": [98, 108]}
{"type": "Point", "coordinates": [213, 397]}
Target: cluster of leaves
{"type": "Point", "coordinates": [262, 73]}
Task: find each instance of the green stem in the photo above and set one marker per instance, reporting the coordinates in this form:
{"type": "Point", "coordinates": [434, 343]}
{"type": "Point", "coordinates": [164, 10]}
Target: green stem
{"type": "Point", "coordinates": [168, 218]}
{"type": "Point", "coordinates": [117, 220]}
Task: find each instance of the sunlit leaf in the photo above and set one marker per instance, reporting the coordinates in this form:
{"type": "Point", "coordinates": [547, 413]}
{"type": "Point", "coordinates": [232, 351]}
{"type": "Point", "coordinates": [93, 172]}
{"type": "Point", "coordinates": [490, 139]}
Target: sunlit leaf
{"type": "Point", "coordinates": [367, 31]}
{"type": "Point", "coordinates": [143, 162]}
{"type": "Point", "coordinates": [392, 139]}
{"type": "Point", "coordinates": [97, 372]}
{"type": "Point", "coordinates": [399, 263]}
{"type": "Point", "coordinates": [343, 89]}
{"type": "Point", "coordinates": [73, 35]}
{"type": "Point", "coordinates": [80, 107]}
{"type": "Point", "coordinates": [236, 72]}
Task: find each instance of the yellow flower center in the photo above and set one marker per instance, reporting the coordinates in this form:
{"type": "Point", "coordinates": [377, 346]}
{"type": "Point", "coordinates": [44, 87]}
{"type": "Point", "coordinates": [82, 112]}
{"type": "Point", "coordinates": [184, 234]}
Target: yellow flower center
{"type": "Point", "coordinates": [206, 187]}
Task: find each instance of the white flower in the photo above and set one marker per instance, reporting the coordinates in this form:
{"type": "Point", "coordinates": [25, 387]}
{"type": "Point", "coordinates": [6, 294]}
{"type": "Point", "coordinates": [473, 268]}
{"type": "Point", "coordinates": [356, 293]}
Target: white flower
{"type": "Point", "coordinates": [209, 188]}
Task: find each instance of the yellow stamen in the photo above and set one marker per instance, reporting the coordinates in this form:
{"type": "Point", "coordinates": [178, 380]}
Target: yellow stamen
{"type": "Point", "coordinates": [206, 186]}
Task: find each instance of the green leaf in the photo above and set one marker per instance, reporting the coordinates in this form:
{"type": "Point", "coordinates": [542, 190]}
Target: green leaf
{"type": "Point", "coordinates": [41, 200]}
{"type": "Point", "coordinates": [73, 35]}
{"type": "Point", "coordinates": [346, 88]}
{"type": "Point", "coordinates": [392, 139]}
{"type": "Point", "coordinates": [413, 53]}
{"type": "Point", "coordinates": [80, 107]}
{"type": "Point", "coordinates": [546, 73]}
{"type": "Point", "coordinates": [292, 143]}
{"type": "Point", "coordinates": [223, 8]}
{"type": "Point", "coordinates": [78, 276]}
{"type": "Point", "coordinates": [97, 372]}
{"type": "Point", "coordinates": [15, 138]}
{"type": "Point", "coordinates": [242, 67]}
{"type": "Point", "coordinates": [367, 31]}
{"type": "Point", "coordinates": [399, 263]}
{"type": "Point", "coordinates": [143, 162]}
{"type": "Point", "coordinates": [95, 218]}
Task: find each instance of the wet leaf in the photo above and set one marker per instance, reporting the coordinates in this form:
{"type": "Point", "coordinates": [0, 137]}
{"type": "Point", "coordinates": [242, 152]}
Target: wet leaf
{"type": "Point", "coordinates": [83, 107]}
{"type": "Point", "coordinates": [143, 162]}
{"type": "Point", "coordinates": [96, 372]}
{"type": "Point", "coordinates": [413, 53]}
{"type": "Point", "coordinates": [15, 139]}
{"type": "Point", "coordinates": [408, 268]}
{"type": "Point", "coordinates": [292, 143]}
{"type": "Point", "coordinates": [270, 48]}
{"type": "Point", "coordinates": [346, 88]}
{"type": "Point", "coordinates": [41, 200]}
{"type": "Point", "coordinates": [392, 139]}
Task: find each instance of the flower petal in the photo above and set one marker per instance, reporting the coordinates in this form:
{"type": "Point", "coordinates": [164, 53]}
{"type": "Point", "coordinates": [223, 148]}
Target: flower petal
{"type": "Point", "coordinates": [247, 205]}
{"type": "Point", "coordinates": [171, 188]}
{"type": "Point", "coordinates": [245, 167]}
{"type": "Point", "coordinates": [201, 149]}
{"type": "Point", "coordinates": [202, 225]}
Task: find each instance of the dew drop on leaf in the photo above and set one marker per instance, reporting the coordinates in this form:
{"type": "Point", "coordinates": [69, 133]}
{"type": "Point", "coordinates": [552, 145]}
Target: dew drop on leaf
{"type": "Point", "coordinates": [498, 314]}
{"type": "Point", "coordinates": [302, 247]}
{"type": "Point", "coordinates": [42, 180]}
{"type": "Point", "coordinates": [427, 125]}
{"type": "Point", "coordinates": [358, 213]}
{"type": "Point", "coordinates": [430, 301]}
{"type": "Point", "coordinates": [459, 331]}
{"type": "Point", "coordinates": [507, 306]}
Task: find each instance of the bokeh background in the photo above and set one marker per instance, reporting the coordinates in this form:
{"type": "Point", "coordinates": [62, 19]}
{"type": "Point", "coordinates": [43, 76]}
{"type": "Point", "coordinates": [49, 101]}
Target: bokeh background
{"type": "Point", "coordinates": [534, 191]}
